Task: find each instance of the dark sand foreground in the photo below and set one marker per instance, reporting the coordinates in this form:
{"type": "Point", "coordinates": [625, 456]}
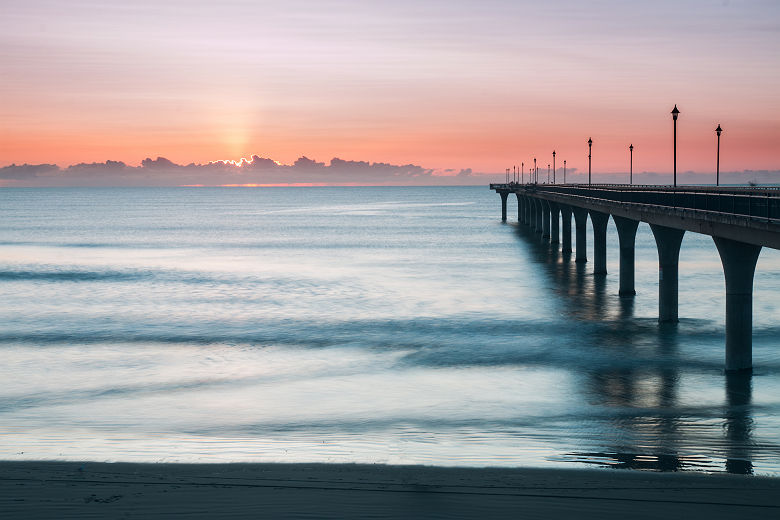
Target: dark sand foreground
{"type": "Point", "coordinates": [122, 490]}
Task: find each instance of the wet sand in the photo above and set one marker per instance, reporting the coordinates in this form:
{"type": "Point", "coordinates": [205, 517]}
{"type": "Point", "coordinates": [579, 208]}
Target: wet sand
{"type": "Point", "coordinates": [125, 490]}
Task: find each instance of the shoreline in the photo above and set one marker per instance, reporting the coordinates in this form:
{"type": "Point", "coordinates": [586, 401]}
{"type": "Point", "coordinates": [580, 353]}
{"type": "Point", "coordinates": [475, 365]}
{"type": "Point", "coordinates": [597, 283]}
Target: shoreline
{"type": "Point", "coordinates": [53, 489]}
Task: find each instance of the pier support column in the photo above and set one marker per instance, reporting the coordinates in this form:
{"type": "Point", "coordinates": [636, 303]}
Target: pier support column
{"type": "Point", "coordinates": [537, 215]}
{"type": "Point", "coordinates": [580, 225]}
{"type": "Point", "coordinates": [626, 229]}
{"type": "Point", "coordinates": [668, 241]}
{"type": "Point", "coordinates": [527, 209]}
{"type": "Point", "coordinates": [545, 219]}
{"type": "Point", "coordinates": [566, 219]}
{"type": "Point", "coordinates": [519, 208]}
{"type": "Point", "coordinates": [739, 265]}
{"type": "Point", "coordinates": [504, 195]}
{"type": "Point", "coordinates": [555, 232]}
{"type": "Point", "coordinates": [599, 221]}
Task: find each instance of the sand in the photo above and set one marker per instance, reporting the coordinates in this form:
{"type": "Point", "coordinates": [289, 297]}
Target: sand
{"type": "Point", "coordinates": [124, 490]}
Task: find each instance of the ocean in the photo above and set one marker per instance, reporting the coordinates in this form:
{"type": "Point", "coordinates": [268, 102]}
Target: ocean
{"type": "Point", "coordinates": [399, 325]}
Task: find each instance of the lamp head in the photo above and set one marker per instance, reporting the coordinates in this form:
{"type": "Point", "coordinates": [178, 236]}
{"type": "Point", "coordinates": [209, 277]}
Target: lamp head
{"type": "Point", "coordinates": [718, 130]}
{"type": "Point", "coordinates": [590, 141]}
{"type": "Point", "coordinates": [631, 147]}
{"type": "Point", "coordinates": [675, 112]}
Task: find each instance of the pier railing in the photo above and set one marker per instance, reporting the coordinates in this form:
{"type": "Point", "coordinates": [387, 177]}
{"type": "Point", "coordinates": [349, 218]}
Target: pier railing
{"type": "Point", "coordinates": [755, 203]}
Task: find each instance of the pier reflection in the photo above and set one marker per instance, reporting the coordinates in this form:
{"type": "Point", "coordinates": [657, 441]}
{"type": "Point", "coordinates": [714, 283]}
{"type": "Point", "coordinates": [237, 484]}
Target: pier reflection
{"type": "Point", "coordinates": [641, 387]}
{"type": "Point", "coordinates": [738, 424]}
{"type": "Point", "coordinates": [646, 400]}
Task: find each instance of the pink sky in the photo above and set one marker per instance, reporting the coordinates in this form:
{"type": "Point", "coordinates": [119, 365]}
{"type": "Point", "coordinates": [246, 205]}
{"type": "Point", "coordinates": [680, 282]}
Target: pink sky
{"type": "Point", "coordinates": [444, 85]}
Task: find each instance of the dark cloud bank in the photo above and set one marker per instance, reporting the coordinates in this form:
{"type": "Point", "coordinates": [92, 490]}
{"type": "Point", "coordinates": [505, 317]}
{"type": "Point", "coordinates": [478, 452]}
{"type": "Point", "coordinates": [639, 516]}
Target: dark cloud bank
{"type": "Point", "coordinates": [260, 170]}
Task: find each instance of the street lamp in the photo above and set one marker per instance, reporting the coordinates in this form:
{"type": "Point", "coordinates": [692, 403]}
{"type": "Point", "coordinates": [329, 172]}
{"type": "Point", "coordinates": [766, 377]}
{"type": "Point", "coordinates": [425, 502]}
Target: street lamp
{"type": "Point", "coordinates": [675, 112]}
{"type": "Point", "coordinates": [564, 171]}
{"type": "Point", "coordinates": [631, 174]}
{"type": "Point", "coordinates": [717, 161]}
{"type": "Point", "coordinates": [522, 171]}
{"type": "Point", "coordinates": [590, 144]}
{"type": "Point", "coordinates": [536, 172]}
{"type": "Point", "coordinates": [553, 166]}
{"type": "Point", "coordinates": [548, 173]}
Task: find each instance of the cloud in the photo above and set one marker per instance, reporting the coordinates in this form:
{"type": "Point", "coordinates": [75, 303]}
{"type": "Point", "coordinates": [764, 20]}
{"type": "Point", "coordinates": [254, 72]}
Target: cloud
{"type": "Point", "coordinates": [161, 163]}
{"type": "Point", "coordinates": [98, 170]}
{"type": "Point", "coordinates": [256, 170]}
{"type": "Point", "coordinates": [23, 172]}
{"type": "Point", "coordinates": [265, 171]}
{"type": "Point", "coordinates": [261, 163]}
{"type": "Point", "coordinates": [303, 164]}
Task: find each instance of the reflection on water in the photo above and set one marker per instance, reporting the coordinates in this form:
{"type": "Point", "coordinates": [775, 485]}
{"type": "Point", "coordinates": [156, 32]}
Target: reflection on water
{"type": "Point", "coordinates": [738, 423]}
{"type": "Point", "coordinates": [647, 395]}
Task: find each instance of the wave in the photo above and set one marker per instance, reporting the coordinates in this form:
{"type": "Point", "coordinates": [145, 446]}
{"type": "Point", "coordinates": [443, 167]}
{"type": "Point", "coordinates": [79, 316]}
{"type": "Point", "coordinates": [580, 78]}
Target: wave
{"type": "Point", "coordinates": [69, 276]}
{"type": "Point", "coordinates": [159, 276]}
{"type": "Point", "coordinates": [430, 343]}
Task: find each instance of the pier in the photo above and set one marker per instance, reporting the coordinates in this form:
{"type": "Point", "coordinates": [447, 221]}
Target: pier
{"type": "Point", "coordinates": [740, 220]}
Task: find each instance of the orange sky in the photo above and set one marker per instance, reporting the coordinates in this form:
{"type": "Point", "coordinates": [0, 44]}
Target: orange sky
{"type": "Point", "coordinates": [480, 85]}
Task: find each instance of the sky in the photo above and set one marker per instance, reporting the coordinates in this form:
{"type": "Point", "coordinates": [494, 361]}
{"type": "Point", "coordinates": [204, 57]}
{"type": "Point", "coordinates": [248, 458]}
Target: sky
{"type": "Point", "coordinates": [441, 88]}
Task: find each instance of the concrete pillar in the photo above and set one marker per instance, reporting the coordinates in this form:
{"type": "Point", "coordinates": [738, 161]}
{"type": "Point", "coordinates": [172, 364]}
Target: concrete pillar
{"type": "Point", "coordinates": [580, 224]}
{"type": "Point", "coordinates": [599, 221]}
{"type": "Point", "coordinates": [626, 229]}
{"type": "Point", "coordinates": [537, 215]}
{"type": "Point", "coordinates": [504, 195]}
{"type": "Point", "coordinates": [519, 208]}
{"type": "Point", "coordinates": [555, 232]}
{"type": "Point", "coordinates": [739, 265]}
{"type": "Point", "coordinates": [545, 219]}
{"type": "Point", "coordinates": [668, 241]}
{"type": "Point", "coordinates": [527, 209]}
{"type": "Point", "coordinates": [566, 219]}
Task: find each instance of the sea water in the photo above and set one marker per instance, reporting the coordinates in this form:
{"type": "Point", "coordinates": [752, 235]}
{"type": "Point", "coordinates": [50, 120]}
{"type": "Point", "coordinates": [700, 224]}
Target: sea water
{"type": "Point", "coordinates": [378, 325]}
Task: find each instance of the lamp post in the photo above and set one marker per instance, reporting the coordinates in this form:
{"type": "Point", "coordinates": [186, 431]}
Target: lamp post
{"type": "Point", "coordinates": [631, 174]}
{"type": "Point", "coordinates": [590, 144]}
{"type": "Point", "coordinates": [536, 172]}
{"type": "Point", "coordinates": [564, 171]}
{"type": "Point", "coordinates": [675, 112]}
{"type": "Point", "coordinates": [553, 166]}
{"type": "Point", "coordinates": [522, 171]}
{"type": "Point", "coordinates": [717, 160]}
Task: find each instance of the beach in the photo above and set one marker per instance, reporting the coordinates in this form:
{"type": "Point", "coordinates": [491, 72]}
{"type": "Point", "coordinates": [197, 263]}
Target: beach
{"type": "Point", "coordinates": [123, 490]}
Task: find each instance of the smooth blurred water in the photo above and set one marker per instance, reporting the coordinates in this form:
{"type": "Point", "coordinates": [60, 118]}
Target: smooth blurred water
{"type": "Point", "coordinates": [398, 325]}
